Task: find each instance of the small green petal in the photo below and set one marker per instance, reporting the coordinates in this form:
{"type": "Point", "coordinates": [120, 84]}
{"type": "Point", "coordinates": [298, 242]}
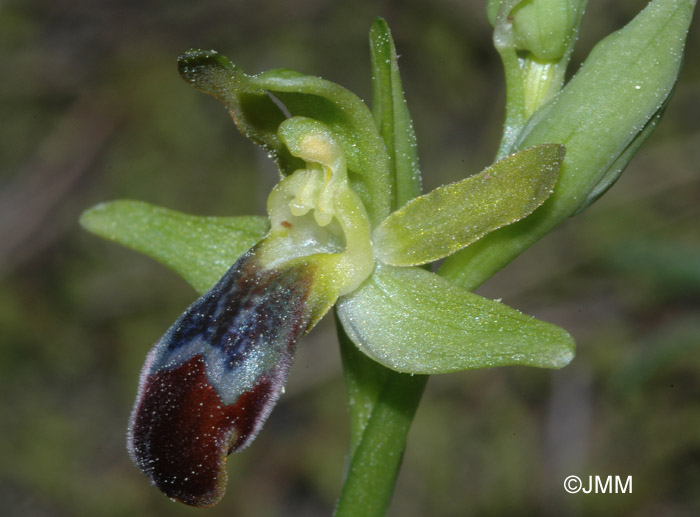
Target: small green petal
{"type": "Point", "coordinates": [414, 321]}
{"type": "Point", "coordinates": [453, 216]}
{"type": "Point", "coordinates": [200, 249]}
{"type": "Point", "coordinates": [391, 114]}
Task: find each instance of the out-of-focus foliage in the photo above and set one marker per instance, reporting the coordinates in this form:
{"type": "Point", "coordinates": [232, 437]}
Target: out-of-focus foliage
{"type": "Point", "coordinates": [93, 109]}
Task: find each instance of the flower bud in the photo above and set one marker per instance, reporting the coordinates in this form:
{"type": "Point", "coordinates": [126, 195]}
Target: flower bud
{"type": "Point", "coordinates": [545, 28]}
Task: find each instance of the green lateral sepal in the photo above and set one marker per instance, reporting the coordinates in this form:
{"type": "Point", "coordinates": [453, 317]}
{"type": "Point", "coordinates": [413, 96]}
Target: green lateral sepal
{"type": "Point", "coordinates": [200, 249]}
{"type": "Point", "coordinates": [413, 321]}
{"type": "Point", "coordinates": [392, 116]}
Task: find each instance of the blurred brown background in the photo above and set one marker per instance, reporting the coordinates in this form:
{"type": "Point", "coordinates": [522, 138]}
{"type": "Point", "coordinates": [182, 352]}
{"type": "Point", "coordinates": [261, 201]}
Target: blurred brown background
{"type": "Point", "coordinates": [92, 109]}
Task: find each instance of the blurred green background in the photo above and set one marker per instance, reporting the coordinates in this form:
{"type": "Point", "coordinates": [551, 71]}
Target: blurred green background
{"type": "Point", "coordinates": [93, 109]}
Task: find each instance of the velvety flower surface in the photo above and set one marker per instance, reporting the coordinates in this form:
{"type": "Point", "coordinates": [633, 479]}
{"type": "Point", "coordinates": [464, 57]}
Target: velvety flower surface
{"type": "Point", "coordinates": [209, 383]}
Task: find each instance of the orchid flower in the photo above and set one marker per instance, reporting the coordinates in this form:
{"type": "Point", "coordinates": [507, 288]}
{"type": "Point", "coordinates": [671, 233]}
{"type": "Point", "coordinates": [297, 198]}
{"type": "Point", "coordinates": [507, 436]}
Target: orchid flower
{"type": "Point", "coordinates": [210, 382]}
{"type": "Point", "coordinates": [346, 226]}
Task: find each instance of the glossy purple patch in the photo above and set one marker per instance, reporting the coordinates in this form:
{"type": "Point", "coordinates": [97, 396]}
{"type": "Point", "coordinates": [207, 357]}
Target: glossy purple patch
{"type": "Point", "coordinates": [211, 381]}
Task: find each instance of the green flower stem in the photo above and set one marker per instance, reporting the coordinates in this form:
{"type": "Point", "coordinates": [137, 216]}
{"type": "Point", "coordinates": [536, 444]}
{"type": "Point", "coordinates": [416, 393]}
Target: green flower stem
{"type": "Point", "coordinates": [386, 402]}
{"type": "Point", "coordinates": [382, 402]}
{"type": "Point", "coordinates": [364, 379]}
{"type": "Point", "coordinates": [382, 406]}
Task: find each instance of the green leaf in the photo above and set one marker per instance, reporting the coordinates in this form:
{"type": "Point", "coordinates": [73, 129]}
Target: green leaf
{"type": "Point", "coordinates": [602, 116]}
{"type": "Point", "coordinates": [616, 168]}
{"type": "Point", "coordinates": [200, 249]}
{"type": "Point", "coordinates": [391, 114]}
{"type": "Point", "coordinates": [258, 116]}
{"type": "Point", "coordinates": [453, 216]}
{"type": "Point", "coordinates": [414, 321]}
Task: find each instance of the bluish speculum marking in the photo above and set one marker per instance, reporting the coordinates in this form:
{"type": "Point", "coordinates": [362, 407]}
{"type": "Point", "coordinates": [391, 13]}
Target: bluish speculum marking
{"type": "Point", "coordinates": [241, 327]}
{"type": "Point", "coordinates": [212, 380]}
